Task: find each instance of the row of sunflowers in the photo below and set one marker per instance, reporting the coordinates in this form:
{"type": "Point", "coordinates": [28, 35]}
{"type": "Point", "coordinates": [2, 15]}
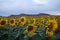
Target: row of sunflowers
{"type": "Point", "coordinates": [28, 27]}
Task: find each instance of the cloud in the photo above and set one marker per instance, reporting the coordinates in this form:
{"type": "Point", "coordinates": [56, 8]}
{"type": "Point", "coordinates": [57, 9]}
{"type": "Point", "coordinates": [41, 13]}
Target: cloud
{"type": "Point", "coordinates": [28, 6]}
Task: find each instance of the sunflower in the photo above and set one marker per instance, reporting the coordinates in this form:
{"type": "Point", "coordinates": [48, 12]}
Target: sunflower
{"type": "Point", "coordinates": [13, 22]}
{"type": "Point", "coordinates": [33, 21]}
{"type": "Point", "coordinates": [53, 23]}
{"type": "Point", "coordinates": [30, 29]}
{"type": "Point", "coordinates": [28, 19]}
{"type": "Point", "coordinates": [48, 17]}
{"type": "Point", "coordinates": [38, 22]}
{"type": "Point", "coordinates": [3, 21]}
{"type": "Point", "coordinates": [42, 26]}
{"type": "Point", "coordinates": [54, 17]}
{"type": "Point", "coordinates": [42, 19]}
{"type": "Point", "coordinates": [22, 20]}
{"type": "Point", "coordinates": [52, 26]}
{"type": "Point", "coordinates": [1, 17]}
{"type": "Point", "coordinates": [50, 34]}
{"type": "Point", "coordinates": [38, 18]}
{"type": "Point", "coordinates": [17, 17]}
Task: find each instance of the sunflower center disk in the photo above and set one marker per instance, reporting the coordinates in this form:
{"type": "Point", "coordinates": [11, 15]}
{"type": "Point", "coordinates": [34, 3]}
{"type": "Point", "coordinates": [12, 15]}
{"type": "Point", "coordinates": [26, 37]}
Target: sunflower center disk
{"type": "Point", "coordinates": [50, 27]}
{"type": "Point", "coordinates": [16, 23]}
{"type": "Point", "coordinates": [12, 21]}
{"type": "Point", "coordinates": [30, 28]}
{"type": "Point", "coordinates": [22, 20]}
{"type": "Point", "coordinates": [3, 22]}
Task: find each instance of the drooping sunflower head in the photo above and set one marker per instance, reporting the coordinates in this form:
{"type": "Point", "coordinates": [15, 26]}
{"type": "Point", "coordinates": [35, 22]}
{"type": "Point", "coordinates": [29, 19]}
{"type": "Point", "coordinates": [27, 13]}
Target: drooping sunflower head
{"type": "Point", "coordinates": [52, 26]}
{"type": "Point", "coordinates": [22, 20]}
{"type": "Point", "coordinates": [13, 22]}
{"type": "Point", "coordinates": [30, 29]}
{"type": "Point", "coordinates": [3, 22]}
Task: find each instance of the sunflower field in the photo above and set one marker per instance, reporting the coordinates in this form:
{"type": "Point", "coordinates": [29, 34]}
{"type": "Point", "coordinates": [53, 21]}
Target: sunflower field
{"type": "Point", "coordinates": [30, 28]}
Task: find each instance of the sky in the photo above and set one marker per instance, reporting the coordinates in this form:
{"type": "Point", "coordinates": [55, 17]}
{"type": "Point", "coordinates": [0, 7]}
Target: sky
{"type": "Point", "coordinates": [15, 7]}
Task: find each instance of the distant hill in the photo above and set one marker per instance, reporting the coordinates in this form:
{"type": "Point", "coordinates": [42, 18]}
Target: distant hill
{"type": "Point", "coordinates": [43, 14]}
{"type": "Point", "coordinates": [22, 14]}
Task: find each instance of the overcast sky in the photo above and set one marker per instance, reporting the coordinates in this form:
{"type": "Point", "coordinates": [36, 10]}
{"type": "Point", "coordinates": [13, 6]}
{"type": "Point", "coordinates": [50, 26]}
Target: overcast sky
{"type": "Point", "coordinates": [9, 7]}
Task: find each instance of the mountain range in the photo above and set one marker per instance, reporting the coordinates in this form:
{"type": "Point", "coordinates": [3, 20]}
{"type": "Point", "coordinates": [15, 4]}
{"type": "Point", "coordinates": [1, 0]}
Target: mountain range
{"type": "Point", "coordinates": [23, 14]}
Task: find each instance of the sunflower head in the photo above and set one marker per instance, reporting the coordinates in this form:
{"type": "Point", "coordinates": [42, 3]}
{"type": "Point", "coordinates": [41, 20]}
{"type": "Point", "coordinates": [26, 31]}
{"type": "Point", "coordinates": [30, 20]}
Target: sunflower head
{"type": "Point", "coordinates": [3, 22]}
{"type": "Point", "coordinates": [30, 29]}
{"type": "Point", "coordinates": [48, 16]}
{"type": "Point", "coordinates": [50, 34]}
{"type": "Point", "coordinates": [33, 21]}
{"type": "Point", "coordinates": [22, 20]}
{"type": "Point", "coordinates": [52, 26]}
{"type": "Point", "coordinates": [37, 22]}
{"type": "Point", "coordinates": [42, 18]}
{"type": "Point", "coordinates": [13, 22]}
{"type": "Point", "coordinates": [42, 26]}
{"type": "Point", "coordinates": [1, 17]}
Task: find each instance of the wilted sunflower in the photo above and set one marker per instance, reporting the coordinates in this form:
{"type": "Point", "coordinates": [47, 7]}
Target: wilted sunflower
{"type": "Point", "coordinates": [3, 22]}
{"type": "Point", "coordinates": [13, 22]}
{"type": "Point", "coordinates": [52, 26]}
{"type": "Point", "coordinates": [30, 29]}
{"type": "Point", "coordinates": [22, 20]}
